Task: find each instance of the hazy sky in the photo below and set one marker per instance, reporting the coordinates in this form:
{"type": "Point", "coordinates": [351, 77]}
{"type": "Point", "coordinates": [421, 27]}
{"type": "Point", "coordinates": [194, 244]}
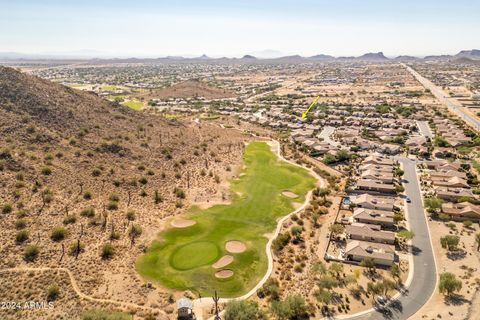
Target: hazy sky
{"type": "Point", "coordinates": [237, 27]}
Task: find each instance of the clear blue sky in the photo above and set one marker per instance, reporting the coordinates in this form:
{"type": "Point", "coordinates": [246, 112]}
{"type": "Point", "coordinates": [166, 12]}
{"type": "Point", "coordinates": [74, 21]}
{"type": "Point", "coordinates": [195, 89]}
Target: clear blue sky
{"type": "Point", "coordinates": [237, 27]}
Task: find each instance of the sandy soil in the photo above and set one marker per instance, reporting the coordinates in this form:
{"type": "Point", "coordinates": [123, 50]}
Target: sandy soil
{"type": "Point", "coordinates": [462, 307]}
{"type": "Point", "coordinates": [235, 246]}
{"type": "Point", "coordinates": [223, 262]}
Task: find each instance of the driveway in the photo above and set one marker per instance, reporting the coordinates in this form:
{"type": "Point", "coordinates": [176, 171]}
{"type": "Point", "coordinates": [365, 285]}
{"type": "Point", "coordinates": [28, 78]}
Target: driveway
{"type": "Point", "coordinates": [425, 276]}
{"type": "Point", "coordinates": [424, 129]}
{"type": "Point", "coordinates": [325, 135]}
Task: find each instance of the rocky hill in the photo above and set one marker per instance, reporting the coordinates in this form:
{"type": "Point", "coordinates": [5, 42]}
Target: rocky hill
{"type": "Point", "coordinates": [75, 168]}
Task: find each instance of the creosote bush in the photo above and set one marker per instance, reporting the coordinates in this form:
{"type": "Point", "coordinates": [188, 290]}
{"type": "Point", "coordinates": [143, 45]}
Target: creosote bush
{"type": "Point", "coordinates": [31, 253]}
{"type": "Point", "coordinates": [21, 236]}
{"type": "Point", "coordinates": [58, 233]}
{"type": "Point", "coordinates": [107, 251]}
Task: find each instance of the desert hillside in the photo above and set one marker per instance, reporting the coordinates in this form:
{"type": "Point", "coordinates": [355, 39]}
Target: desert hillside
{"type": "Point", "coordinates": [86, 184]}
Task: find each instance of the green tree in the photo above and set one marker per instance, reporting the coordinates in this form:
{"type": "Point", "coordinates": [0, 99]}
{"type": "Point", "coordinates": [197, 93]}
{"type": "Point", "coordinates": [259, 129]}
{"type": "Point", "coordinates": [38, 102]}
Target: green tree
{"type": "Point", "coordinates": [322, 192]}
{"type": "Point", "coordinates": [368, 263]}
{"type": "Point", "coordinates": [395, 270]}
{"type": "Point", "coordinates": [292, 308]}
{"type": "Point", "coordinates": [433, 204]}
{"type": "Point", "coordinates": [323, 296]}
{"type": "Point", "coordinates": [449, 284]}
{"type": "Point", "coordinates": [336, 268]}
{"type": "Point", "coordinates": [243, 310]}
{"type": "Point", "coordinates": [337, 229]}
{"type": "Point", "coordinates": [449, 242]}
{"type": "Point", "coordinates": [327, 282]}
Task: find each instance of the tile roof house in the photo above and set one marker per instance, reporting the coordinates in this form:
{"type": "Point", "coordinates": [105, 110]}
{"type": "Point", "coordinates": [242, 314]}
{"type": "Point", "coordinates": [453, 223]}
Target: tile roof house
{"type": "Point", "coordinates": [371, 216]}
{"type": "Point", "coordinates": [451, 182]}
{"type": "Point", "coordinates": [462, 211]}
{"type": "Point", "coordinates": [382, 176]}
{"type": "Point", "coordinates": [383, 254]}
{"type": "Point", "coordinates": [369, 232]}
{"type": "Point", "coordinates": [442, 165]}
{"type": "Point", "coordinates": [372, 159]}
{"type": "Point", "coordinates": [453, 194]}
{"type": "Point", "coordinates": [375, 186]}
{"type": "Point", "coordinates": [370, 202]}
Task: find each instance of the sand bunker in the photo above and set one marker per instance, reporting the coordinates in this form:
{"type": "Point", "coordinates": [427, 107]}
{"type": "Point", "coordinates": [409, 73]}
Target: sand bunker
{"type": "Point", "coordinates": [222, 274]}
{"type": "Point", "coordinates": [289, 194]}
{"type": "Point", "coordinates": [183, 223]}
{"type": "Point", "coordinates": [223, 261]}
{"type": "Point", "coordinates": [235, 246]}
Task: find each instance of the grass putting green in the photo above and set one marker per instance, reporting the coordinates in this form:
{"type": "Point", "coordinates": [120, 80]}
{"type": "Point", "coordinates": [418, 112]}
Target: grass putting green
{"type": "Point", "coordinates": [182, 258]}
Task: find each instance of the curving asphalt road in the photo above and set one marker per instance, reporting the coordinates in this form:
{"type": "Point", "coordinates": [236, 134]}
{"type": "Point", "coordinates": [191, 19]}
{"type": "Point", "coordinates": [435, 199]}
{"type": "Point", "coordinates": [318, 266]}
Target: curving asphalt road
{"type": "Point", "coordinates": [424, 271]}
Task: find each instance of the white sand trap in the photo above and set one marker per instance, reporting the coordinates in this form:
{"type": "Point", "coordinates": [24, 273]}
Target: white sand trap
{"type": "Point", "coordinates": [183, 223]}
{"type": "Point", "coordinates": [222, 274]}
{"type": "Point", "coordinates": [223, 261]}
{"type": "Point", "coordinates": [290, 194]}
{"type": "Point", "coordinates": [235, 246]}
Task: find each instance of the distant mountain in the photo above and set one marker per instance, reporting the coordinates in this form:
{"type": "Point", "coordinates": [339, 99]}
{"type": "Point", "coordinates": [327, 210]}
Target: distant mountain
{"type": "Point", "coordinates": [249, 57]}
{"type": "Point", "coordinates": [378, 56]}
{"type": "Point", "coordinates": [405, 58]}
{"type": "Point", "coordinates": [203, 57]}
{"type": "Point", "coordinates": [322, 57]}
{"type": "Point", "coordinates": [469, 54]}
{"type": "Point", "coordinates": [466, 61]}
{"type": "Point", "coordinates": [444, 57]}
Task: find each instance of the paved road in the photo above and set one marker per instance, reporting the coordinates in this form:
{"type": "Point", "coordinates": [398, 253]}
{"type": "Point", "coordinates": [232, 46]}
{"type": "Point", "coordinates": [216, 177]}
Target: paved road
{"type": "Point", "coordinates": [424, 277]}
{"type": "Point", "coordinates": [441, 95]}
{"type": "Point", "coordinates": [325, 135]}
{"type": "Point", "coordinates": [424, 129]}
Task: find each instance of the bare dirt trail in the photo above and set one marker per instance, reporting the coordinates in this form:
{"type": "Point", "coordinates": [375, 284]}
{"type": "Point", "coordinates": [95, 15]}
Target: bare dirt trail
{"type": "Point", "coordinates": [83, 295]}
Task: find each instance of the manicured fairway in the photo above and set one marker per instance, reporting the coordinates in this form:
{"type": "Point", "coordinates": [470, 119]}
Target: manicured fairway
{"type": "Point", "coordinates": [182, 258]}
{"type": "Point", "coordinates": [133, 104]}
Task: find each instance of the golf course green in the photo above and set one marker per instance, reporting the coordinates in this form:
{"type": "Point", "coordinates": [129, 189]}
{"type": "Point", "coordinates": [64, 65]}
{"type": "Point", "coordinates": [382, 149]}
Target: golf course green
{"type": "Point", "coordinates": [182, 258]}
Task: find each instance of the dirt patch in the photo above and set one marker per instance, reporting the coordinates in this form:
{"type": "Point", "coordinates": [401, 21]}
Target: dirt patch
{"type": "Point", "coordinates": [235, 246]}
{"type": "Point", "coordinates": [223, 262]}
{"type": "Point", "coordinates": [183, 223]}
{"type": "Point", "coordinates": [290, 194]}
{"type": "Point", "coordinates": [222, 274]}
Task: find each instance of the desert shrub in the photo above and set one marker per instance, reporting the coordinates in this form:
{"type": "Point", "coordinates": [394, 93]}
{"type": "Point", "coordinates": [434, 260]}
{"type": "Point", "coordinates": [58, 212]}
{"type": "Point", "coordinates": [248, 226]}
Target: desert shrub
{"type": "Point", "coordinates": [31, 253]}
{"type": "Point", "coordinates": [58, 233]}
{"type": "Point", "coordinates": [7, 208]}
{"type": "Point", "coordinates": [179, 193]}
{"type": "Point", "coordinates": [112, 205]}
{"type": "Point", "coordinates": [114, 197]}
{"type": "Point", "coordinates": [20, 224]}
{"type": "Point", "coordinates": [53, 292]}
{"type": "Point", "coordinates": [87, 195]}
{"type": "Point", "coordinates": [21, 236]}
{"type": "Point", "coordinates": [107, 251]}
{"type": "Point", "coordinates": [243, 310]}
{"type": "Point", "coordinates": [130, 215]}
{"type": "Point", "coordinates": [22, 214]}
{"type": "Point", "coordinates": [88, 212]}
{"type": "Point", "coordinates": [75, 247]}
{"type": "Point", "coordinates": [70, 219]}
